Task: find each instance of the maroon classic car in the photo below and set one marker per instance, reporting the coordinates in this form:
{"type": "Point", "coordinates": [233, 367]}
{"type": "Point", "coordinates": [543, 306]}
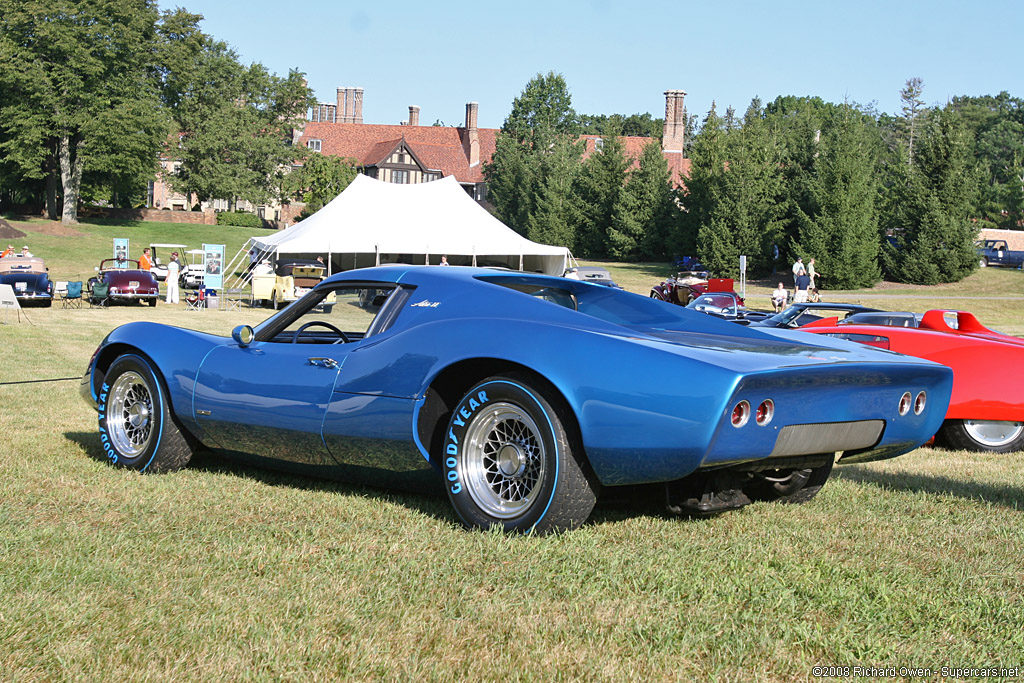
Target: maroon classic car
{"type": "Point", "coordinates": [125, 281]}
{"type": "Point", "coordinates": [687, 285]}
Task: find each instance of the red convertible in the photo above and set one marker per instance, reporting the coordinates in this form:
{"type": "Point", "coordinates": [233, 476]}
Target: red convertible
{"type": "Point", "coordinates": [986, 411]}
{"type": "Point", "coordinates": [126, 281]}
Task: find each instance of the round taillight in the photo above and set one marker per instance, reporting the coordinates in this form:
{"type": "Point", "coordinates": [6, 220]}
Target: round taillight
{"type": "Point", "coordinates": [919, 403]}
{"type": "Point", "coordinates": [740, 414]}
{"type": "Point", "coordinates": [765, 412]}
{"type": "Point", "coordinates": [905, 401]}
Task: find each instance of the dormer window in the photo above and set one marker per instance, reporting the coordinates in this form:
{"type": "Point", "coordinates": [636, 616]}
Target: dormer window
{"type": "Point", "coordinates": [598, 144]}
{"type": "Point", "coordinates": [313, 144]}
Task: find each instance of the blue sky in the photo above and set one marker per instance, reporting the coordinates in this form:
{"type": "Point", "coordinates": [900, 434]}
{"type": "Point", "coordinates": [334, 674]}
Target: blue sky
{"type": "Point", "coordinates": [620, 57]}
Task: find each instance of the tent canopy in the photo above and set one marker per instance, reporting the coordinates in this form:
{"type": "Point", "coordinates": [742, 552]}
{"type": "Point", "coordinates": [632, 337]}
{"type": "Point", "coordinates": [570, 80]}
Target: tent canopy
{"type": "Point", "coordinates": [397, 222]}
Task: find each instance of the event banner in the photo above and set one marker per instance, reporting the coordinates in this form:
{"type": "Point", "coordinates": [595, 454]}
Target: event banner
{"type": "Point", "coordinates": [121, 252]}
{"type": "Point", "coordinates": [213, 257]}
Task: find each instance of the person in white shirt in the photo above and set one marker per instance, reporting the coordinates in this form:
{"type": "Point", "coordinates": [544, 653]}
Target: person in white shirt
{"type": "Point", "coordinates": [779, 297]}
{"type": "Point", "coordinates": [173, 270]}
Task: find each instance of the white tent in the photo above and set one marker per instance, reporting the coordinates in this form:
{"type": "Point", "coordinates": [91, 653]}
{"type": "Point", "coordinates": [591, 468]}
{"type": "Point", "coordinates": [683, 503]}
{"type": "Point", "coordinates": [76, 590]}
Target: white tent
{"type": "Point", "coordinates": [373, 222]}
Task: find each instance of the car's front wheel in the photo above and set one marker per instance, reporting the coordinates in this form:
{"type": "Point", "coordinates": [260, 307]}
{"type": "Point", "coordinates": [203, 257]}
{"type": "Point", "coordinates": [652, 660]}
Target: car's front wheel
{"type": "Point", "coordinates": [136, 428]}
{"type": "Point", "coordinates": [991, 436]}
{"type": "Point", "coordinates": [511, 459]}
{"type": "Point", "coordinates": [789, 485]}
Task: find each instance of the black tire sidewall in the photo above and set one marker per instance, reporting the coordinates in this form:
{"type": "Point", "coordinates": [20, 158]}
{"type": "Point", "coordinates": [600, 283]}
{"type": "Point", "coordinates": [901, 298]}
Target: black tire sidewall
{"type": "Point", "coordinates": [507, 390]}
{"type": "Point", "coordinates": [953, 434]}
{"type": "Point", "coordinates": [159, 414]}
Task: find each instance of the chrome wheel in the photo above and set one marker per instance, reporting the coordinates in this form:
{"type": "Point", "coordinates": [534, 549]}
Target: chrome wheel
{"type": "Point", "coordinates": [130, 414]}
{"type": "Point", "coordinates": [993, 434]}
{"type": "Point", "coordinates": [503, 460]}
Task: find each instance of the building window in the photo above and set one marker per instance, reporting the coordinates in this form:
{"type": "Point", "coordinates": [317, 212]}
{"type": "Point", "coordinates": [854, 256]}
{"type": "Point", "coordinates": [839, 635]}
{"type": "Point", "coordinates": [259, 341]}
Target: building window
{"type": "Point", "coordinates": [598, 144]}
{"type": "Point", "coordinates": [430, 177]}
{"type": "Point", "coordinates": [400, 177]}
{"type": "Point", "coordinates": [313, 144]}
{"type": "Point", "coordinates": [401, 158]}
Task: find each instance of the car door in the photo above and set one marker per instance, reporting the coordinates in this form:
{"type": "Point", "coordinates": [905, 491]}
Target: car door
{"type": "Point", "coordinates": [268, 399]}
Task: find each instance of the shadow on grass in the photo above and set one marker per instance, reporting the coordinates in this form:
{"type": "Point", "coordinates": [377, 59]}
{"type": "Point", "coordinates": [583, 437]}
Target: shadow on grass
{"type": "Point", "coordinates": [1004, 495]}
{"type": "Point", "coordinates": [617, 506]}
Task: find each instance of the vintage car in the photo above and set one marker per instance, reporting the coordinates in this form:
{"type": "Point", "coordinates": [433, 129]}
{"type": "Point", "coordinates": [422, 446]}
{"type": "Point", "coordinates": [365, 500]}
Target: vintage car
{"type": "Point", "coordinates": [986, 411]}
{"type": "Point", "coordinates": [596, 275]}
{"type": "Point", "coordinates": [726, 305]}
{"type": "Point", "coordinates": [28, 278]}
{"type": "Point", "coordinates": [482, 383]}
{"type": "Point", "coordinates": [293, 278]}
{"type": "Point", "coordinates": [685, 286]}
{"type": "Point", "coordinates": [126, 282]}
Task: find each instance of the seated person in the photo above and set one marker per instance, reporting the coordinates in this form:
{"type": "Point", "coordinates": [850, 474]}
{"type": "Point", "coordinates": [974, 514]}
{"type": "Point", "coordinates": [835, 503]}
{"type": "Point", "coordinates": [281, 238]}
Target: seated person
{"type": "Point", "coordinates": [779, 297]}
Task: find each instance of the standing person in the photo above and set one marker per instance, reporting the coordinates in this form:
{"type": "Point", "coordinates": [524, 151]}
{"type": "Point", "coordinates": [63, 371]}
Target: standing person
{"type": "Point", "coordinates": [9, 251]}
{"type": "Point", "coordinates": [444, 261]}
{"type": "Point", "coordinates": [779, 297]}
{"type": "Point", "coordinates": [145, 261]}
{"type": "Point", "coordinates": [811, 273]}
{"type": "Point", "coordinates": [798, 268]}
{"type": "Point", "coordinates": [173, 270]}
{"type": "Point", "coordinates": [802, 283]}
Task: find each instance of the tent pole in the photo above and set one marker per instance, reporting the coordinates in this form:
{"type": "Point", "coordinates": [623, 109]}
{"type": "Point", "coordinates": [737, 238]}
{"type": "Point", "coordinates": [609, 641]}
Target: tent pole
{"type": "Point", "coordinates": [376, 251]}
{"type": "Point", "coordinates": [329, 273]}
{"type": "Point", "coordinates": [520, 262]}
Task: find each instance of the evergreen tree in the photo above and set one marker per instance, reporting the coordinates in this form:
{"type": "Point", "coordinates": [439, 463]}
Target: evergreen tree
{"type": "Point", "coordinates": [929, 207]}
{"type": "Point", "coordinates": [645, 211]}
{"type": "Point", "coordinates": [535, 161]}
{"type": "Point", "coordinates": [596, 193]}
{"type": "Point", "coordinates": [839, 225]}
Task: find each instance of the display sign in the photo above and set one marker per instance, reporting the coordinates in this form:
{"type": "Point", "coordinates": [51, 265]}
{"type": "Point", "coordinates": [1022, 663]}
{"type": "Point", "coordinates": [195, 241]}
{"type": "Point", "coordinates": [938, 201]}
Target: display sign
{"type": "Point", "coordinates": [8, 301]}
{"type": "Point", "coordinates": [121, 253]}
{"type": "Point", "coordinates": [213, 259]}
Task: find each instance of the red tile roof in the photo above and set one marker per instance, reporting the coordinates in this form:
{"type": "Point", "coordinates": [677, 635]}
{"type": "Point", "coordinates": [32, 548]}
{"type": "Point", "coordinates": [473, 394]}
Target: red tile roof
{"type": "Point", "coordinates": [440, 148]}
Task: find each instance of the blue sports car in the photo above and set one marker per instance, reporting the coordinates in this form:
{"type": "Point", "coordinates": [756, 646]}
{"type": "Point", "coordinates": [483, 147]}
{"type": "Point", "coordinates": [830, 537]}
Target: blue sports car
{"type": "Point", "coordinates": [520, 395]}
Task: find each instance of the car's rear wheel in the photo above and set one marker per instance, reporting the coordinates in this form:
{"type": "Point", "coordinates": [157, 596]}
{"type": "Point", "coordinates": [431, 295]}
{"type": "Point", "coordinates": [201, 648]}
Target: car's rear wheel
{"type": "Point", "coordinates": [789, 485]}
{"type": "Point", "coordinates": [152, 302]}
{"type": "Point", "coordinates": [511, 459]}
{"type": "Point", "coordinates": [136, 428]}
{"type": "Point", "coordinates": [992, 436]}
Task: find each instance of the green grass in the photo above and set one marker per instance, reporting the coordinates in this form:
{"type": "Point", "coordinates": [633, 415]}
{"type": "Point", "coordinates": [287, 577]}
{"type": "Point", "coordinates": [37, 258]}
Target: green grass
{"type": "Point", "coordinates": [222, 572]}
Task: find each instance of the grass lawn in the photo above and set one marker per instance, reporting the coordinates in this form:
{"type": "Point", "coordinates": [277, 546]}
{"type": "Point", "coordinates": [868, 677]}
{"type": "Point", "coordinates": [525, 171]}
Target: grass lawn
{"type": "Point", "coordinates": [222, 572]}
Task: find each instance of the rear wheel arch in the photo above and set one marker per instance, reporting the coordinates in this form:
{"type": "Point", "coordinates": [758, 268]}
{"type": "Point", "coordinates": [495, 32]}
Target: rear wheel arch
{"type": "Point", "coordinates": [451, 384]}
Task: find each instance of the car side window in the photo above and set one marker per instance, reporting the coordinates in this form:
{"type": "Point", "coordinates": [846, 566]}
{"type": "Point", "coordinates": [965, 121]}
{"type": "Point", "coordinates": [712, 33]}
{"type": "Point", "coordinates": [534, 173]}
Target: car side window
{"type": "Point", "coordinates": [340, 315]}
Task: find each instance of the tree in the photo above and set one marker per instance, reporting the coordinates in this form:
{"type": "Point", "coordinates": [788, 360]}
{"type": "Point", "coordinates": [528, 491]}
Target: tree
{"type": "Point", "coordinates": [839, 224]}
{"type": "Point", "coordinates": [913, 105]}
{"type": "Point", "coordinates": [319, 180]}
{"type": "Point", "coordinates": [928, 209]}
{"type": "Point", "coordinates": [596, 192]}
{"type": "Point", "coordinates": [535, 160]}
{"type": "Point", "coordinates": [76, 83]}
{"type": "Point", "coordinates": [646, 211]}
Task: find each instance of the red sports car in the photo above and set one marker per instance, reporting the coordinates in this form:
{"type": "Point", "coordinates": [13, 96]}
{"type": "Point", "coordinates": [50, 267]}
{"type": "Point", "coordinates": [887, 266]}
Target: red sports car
{"type": "Point", "coordinates": [986, 411]}
{"type": "Point", "coordinates": [126, 281]}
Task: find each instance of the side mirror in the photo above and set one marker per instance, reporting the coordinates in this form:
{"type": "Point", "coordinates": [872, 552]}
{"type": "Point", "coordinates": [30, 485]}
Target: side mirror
{"type": "Point", "coordinates": [243, 335]}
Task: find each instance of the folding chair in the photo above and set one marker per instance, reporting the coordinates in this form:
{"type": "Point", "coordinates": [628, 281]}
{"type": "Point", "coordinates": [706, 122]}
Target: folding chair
{"type": "Point", "coordinates": [98, 295]}
{"type": "Point", "coordinates": [232, 299]}
{"type": "Point", "coordinates": [71, 297]}
{"type": "Point", "coordinates": [196, 300]}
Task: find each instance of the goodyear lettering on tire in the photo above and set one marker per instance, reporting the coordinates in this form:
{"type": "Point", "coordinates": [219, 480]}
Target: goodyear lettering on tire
{"type": "Point", "coordinates": [462, 414]}
{"type": "Point", "coordinates": [101, 405]}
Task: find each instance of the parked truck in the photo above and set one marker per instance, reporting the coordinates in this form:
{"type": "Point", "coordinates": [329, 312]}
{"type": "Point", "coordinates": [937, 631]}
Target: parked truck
{"type": "Point", "coordinates": [997, 253]}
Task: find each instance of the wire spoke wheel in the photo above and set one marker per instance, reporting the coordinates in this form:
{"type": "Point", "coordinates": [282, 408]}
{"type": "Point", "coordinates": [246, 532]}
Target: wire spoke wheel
{"type": "Point", "coordinates": [130, 414]}
{"type": "Point", "coordinates": [504, 460]}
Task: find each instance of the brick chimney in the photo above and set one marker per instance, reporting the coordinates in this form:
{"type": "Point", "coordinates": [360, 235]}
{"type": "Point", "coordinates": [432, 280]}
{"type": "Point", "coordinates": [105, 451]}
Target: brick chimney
{"type": "Point", "coordinates": [471, 141]}
{"type": "Point", "coordinates": [675, 122]}
{"type": "Point", "coordinates": [357, 106]}
{"type": "Point", "coordinates": [414, 115]}
{"type": "Point", "coordinates": [341, 111]}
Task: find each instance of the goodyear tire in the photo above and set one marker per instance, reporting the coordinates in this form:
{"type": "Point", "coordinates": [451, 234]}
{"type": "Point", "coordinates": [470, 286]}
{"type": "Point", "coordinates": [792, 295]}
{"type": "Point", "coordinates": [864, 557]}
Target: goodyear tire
{"type": "Point", "coordinates": [510, 459]}
{"type": "Point", "coordinates": [984, 436]}
{"type": "Point", "coordinates": [790, 485]}
{"type": "Point", "coordinates": [136, 428]}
